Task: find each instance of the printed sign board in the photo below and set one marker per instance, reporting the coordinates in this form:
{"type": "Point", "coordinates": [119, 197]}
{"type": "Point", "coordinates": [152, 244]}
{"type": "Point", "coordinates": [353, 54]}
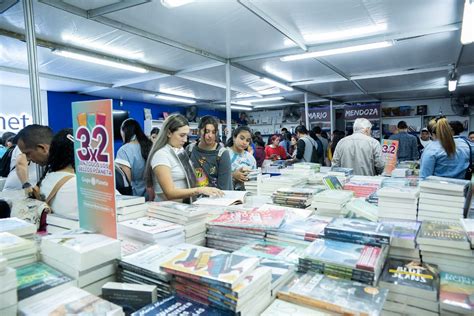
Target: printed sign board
{"type": "Point", "coordinates": [389, 155]}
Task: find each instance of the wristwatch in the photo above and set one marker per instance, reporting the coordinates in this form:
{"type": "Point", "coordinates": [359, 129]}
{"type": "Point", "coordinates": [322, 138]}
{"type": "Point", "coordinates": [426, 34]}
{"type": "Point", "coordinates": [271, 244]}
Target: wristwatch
{"type": "Point", "coordinates": [26, 185]}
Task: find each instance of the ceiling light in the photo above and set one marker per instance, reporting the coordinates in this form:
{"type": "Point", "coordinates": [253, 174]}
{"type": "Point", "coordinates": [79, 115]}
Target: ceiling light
{"type": "Point", "coordinates": [175, 3]}
{"type": "Point", "coordinates": [89, 43]}
{"type": "Point", "coordinates": [268, 91]}
{"type": "Point", "coordinates": [277, 84]}
{"type": "Point", "coordinates": [278, 73]}
{"type": "Point", "coordinates": [242, 108]}
{"type": "Point", "coordinates": [264, 99]}
{"type": "Point", "coordinates": [178, 93]}
{"type": "Point", "coordinates": [272, 105]}
{"type": "Point", "coordinates": [349, 33]}
{"type": "Point", "coordinates": [243, 103]}
{"type": "Point", "coordinates": [170, 98]}
{"type": "Point", "coordinates": [336, 51]}
{"type": "Point", "coordinates": [452, 85]}
{"type": "Point", "coordinates": [100, 61]}
{"type": "Point", "coordinates": [467, 32]}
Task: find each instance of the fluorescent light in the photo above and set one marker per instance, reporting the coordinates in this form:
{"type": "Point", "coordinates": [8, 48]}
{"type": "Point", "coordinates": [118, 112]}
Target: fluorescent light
{"type": "Point", "coordinates": [170, 98]}
{"type": "Point", "coordinates": [277, 84]}
{"type": "Point", "coordinates": [467, 32]}
{"type": "Point", "coordinates": [264, 99]}
{"type": "Point", "coordinates": [175, 3]}
{"type": "Point", "coordinates": [100, 61]}
{"type": "Point", "coordinates": [268, 91]}
{"type": "Point", "coordinates": [89, 43]}
{"type": "Point", "coordinates": [349, 33]}
{"type": "Point", "coordinates": [243, 103]}
{"type": "Point", "coordinates": [178, 93]}
{"type": "Point", "coordinates": [452, 85]}
{"type": "Point", "coordinates": [242, 108]}
{"type": "Point", "coordinates": [272, 105]}
{"type": "Point", "coordinates": [343, 50]}
{"type": "Point", "coordinates": [277, 73]}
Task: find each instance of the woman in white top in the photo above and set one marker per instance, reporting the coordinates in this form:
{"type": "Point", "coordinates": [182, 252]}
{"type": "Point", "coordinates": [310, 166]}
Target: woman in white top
{"type": "Point", "coordinates": [60, 167]}
{"type": "Point", "coordinates": [168, 168]}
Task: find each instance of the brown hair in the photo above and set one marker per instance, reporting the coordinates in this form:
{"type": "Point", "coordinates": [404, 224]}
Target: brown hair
{"type": "Point", "coordinates": [441, 128]}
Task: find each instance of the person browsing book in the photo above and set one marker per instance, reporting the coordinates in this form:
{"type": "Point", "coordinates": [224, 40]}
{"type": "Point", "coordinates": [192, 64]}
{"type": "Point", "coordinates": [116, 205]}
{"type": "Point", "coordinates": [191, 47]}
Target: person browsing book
{"type": "Point", "coordinates": [445, 156]}
{"type": "Point", "coordinates": [132, 156]}
{"type": "Point", "coordinates": [274, 151]}
{"type": "Point", "coordinates": [211, 161]}
{"type": "Point", "coordinates": [168, 168]}
{"type": "Point", "coordinates": [242, 161]}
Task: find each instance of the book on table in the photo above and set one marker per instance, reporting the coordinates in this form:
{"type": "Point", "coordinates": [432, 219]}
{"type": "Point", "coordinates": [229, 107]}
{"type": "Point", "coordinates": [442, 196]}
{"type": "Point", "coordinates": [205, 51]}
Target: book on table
{"type": "Point", "coordinates": [127, 200]}
{"type": "Point", "coordinates": [456, 293]}
{"type": "Point", "coordinates": [16, 226]}
{"type": "Point", "coordinates": [250, 219]}
{"type": "Point", "coordinates": [229, 198]}
{"type": "Point", "coordinates": [449, 234]}
{"type": "Point", "coordinates": [358, 231]}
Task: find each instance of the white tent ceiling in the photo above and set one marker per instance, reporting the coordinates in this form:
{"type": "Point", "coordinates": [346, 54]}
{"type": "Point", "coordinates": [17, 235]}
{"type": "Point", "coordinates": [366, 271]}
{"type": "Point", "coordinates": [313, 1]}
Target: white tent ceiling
{"type": "Point", "coordinates": [185, 48]}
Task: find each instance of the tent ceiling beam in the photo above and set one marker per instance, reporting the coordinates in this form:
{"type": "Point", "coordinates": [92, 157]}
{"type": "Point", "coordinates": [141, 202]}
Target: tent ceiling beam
{"type": "Point", "coordinates": [114, 7]}
{"type": "Point", "coordinates": [7, 4]}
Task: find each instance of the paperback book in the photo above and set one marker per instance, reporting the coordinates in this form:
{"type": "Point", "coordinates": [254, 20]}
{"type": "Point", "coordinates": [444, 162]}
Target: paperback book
{"type": "Point", "coordinates": [252, 219]}
{"type": "Point", "coordinates": [273, 251]}
{"type": "Point", "coordinates": [444, 234]}
{"type": "Point", "coordinates": [456, 293]}
{"type": "Point", "coordinates": [468, 225]}
{"type": "Point", "coordinates": [358, 231]}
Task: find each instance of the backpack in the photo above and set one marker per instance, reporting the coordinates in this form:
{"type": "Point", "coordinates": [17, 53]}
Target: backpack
{"type": "Point", "coordinates": [5, 162]}
{"type": "Point", "coordinates": [319, 151]}
{"type": "Point", "coordinates": [121, 182]}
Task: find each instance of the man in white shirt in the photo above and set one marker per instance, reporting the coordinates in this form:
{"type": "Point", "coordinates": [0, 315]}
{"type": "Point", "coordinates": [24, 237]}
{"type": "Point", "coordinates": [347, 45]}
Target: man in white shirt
{"type": "Point", "coordinates": [425, 137]}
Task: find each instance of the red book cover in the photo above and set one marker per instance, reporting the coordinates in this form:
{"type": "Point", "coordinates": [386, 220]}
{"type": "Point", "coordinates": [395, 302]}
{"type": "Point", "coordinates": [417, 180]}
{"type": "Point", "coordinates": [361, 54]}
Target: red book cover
{"type": "Point", "coordinates": [368, 258]}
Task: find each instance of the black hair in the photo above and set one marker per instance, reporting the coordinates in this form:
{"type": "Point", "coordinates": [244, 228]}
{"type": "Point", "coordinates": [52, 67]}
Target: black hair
{"type": "Point", "coordinates": [301, 129]}
{"type": "Point", "coordinates": [402, 125]}
{"type": "Point", "coordinates": [338, 135]}
{"type": "Point", "coordinates": [258, 141]}
{"type": "Point", "coordinates": [324, 134]}
{"type": "Point", "coordinates": [470, 133]}
{"type": "Point", "coordinates": [155, 130]}
{"type": "Point", "coordinates": [61, 152]}
{"type": "Point", "coordinates": [132, 130]}
{"type": "Point", "coordinates": [284, 130]}
{"type": "Point", "coordinates": [317, 129]}
{"type": "Point", "coordinates": [258, 133]}
{"type": "Point", "coordinates": [457, 127]}
{"type": "Point", "coordinates": [236, 132]}
{"type": "Point", "coordinates": [35, 134]}
{"type": "Point", "coordinates": [5, 137]}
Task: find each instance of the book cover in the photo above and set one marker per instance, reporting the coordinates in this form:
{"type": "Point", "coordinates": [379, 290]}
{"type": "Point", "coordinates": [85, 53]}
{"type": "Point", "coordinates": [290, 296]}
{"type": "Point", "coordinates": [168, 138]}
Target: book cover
{"type": "Point", "coordinates": [358, 231]}
{"type": "Point", "coordinates": [229, 198]}
{"type": "Point", "coordinates": [38, 277]}
{"type": "Point", "coordinates": [126, 200]}
{"type": "Point", "coordinates": [255, 218]}
{"type": "Point", "coordinates": [210, 265]}
{"type": "Point", "coordinates": [468, 225]}
{"type": "Point", "coordinates": [17, 226]}
{"type": "Point", "coordinates": [309, 228]}
{"type": "Point", "coordinates": [149, 225]}
{"type": "Point", "coordinates": [278, 268]}
{"type": "Point", "coordinates": [437, 231]}
{"type": "Point", "coordinates": [333, 196]}
{"type": "Point", "coordinates": [272, 250]}
{"type": "Point", "coordinates": [404, 232]}
{"type": "Point", "coordinates": [332, 183]}
{"type": "Point", "coordinates": [457, 293]}
{"type": "Point", "coordinates": [10, 243]}
{"type": "Point", "coordinates": [131, 297]}
{"type": "Point", "coordinates": [176, 207]}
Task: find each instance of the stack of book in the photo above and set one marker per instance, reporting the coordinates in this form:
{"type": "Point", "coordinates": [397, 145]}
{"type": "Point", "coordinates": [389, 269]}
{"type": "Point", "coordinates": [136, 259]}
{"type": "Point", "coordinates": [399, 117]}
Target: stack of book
{"type": "Point", "coordinates": [143, 267]}
{"type": "Point", "coordinates": [300, 232]}
{"type": "Point", "coordinates": [284, 308]}
{"type": "Point", "coordinates": [266, 186]}
{"type": "Point", "coordinates": [335, 295]}
{"type": "Point", "coordinates": [413, 287]}
{"type": "Point", "coordinates": [193, 218]}
{"type": "Point", "coordinates": [278, 251]}
{"type": "Point", "coordinates": [400, 172]}
{"type": "Point", "coordinates": [331, 202]}
{"type": "Point", "coordinates": [456, 294]}
{"type": "Point", "coordinates": [8, 294]}
{"type": "Point", "coordinates": [282, 272]}
{"type": "Point", "coordinates": [362, 186]}
{"type": "Point", "coordinates": [130, 207]}
{"type": "Point", "coordinates": [61, 223]}
{"type": "Point", "coordinates": [37, 281]}
{"type": "Point", "coordinates": [71, 301]}
{"type": "Point", "coordinates": [342, 174]}
{"type": "Point", "coordinates": [17, 227]}
{"type": "Point", "coordinates": [355, 262]}
{"type": "Point", "coordinates": [398, 203]}
{"type": "Point", "coordinates": [444, 199]}
{"type": "Point", "coordinates": [446, 245]}
{"type": "Point", "coordinates": [293, 197]}
{"type": "Point", "coordinates": [90, 257]}
{"type": "Point", "coordinates": [131, 297]}
{"type": "Point", "coordinates": [468, 225]}
{"type": "Point", "coordinates": [360, 208]}
{"type": "Point", "coordinates": [232, 230]}
{"type": "Point", "coordinates": [358, 231]}
{"type": "Point", "coordinates": [17, 250]}
{"type": "Point", "coordinates": [152, 231]}
{"type": "Point", "coordinates": [227, 281]}
{"type": "Point", "coordinates": [304, 167]}
{"type": "Point", "coordinates": [403, 240]}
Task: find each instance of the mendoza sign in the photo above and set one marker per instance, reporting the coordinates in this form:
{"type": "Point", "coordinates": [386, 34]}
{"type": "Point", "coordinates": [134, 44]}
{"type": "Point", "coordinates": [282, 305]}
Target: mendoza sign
{"type": "Point", "coordinates": [94, 153]}
{"type": "Point", "coordinates": [368, 111]}
{"type": "Point", "coordinates": [319, 115]}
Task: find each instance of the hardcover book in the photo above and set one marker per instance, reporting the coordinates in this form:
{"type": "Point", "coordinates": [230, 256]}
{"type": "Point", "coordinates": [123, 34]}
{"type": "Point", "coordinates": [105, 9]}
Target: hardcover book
{"type": "Point", "coordinates": [445, 234]}
{"type": "Point", "coordinates": [252, 219]}
{"type": "Point", "coordinates": [457, 293]}
{"type": "Point", "coordinates": [211, 266]}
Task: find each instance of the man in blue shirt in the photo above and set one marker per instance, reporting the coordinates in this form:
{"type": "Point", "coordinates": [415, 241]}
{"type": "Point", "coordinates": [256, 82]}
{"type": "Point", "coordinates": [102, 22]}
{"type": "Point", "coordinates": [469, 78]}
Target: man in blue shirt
{"type": "Point", "coordinates": [407, 144]}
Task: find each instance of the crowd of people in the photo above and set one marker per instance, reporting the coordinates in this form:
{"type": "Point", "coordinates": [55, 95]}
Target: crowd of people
{"type": "Point", "coordinates": [167, 166]}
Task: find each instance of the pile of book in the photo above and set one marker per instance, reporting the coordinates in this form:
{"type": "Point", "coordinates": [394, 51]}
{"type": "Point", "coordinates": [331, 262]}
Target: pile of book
{"type": "Point", "coordinates": [468, 225]}
{"type": "Point", "coordinates": [413, 287]}
{"type": "Point", "coordinates": [74, 301]}
{"type": "Point", "coordinates": [358, 231]}
{"type": "Point", "coordinates": [268, 185]}
{"type": "Point", "coordinates": [231, 231]}
{"type": "Point", "coordinates": [403, 240]}
{"type": "Point", "coordinates": [152, 231]}
{"type": "Point", "coordinates": [345, 260]}
{"type": "Point", "coordinates": [90, 257]}
{"type": "Point", "coordinates": [18, 227]}
{"type": "Point", "coordinates": [334, 295]}
{"type": "Point", "coordinates": [130, 207]}
{"type": "Point", "coordinates": [37, 281]}
{"type": "Point", "coordinates": [226, 281]}
{"type": "Point", "coordinates": [17, 250]}
{"type": "Point", "coordinates": [273, 250]}
{"type": "Point", "coordinates": [331, 202]}
{"type": "Point", "coordinates": [193, 218]}
{"type": "Point", "coordinates": [293, 197]}
{"type": "Point", "coordinates": [456, 294]}
{"type": "Point", "coordinates": [342, 174]}
{"type": "Point", "coordinates": [60, 223]}
{"type": "Point", "coordinates": [131, 297]}
{"type": "Point", "coordinates": [8, 294]}
{"type": "Point", "coordinates": [359, 208]}
{"type": "Point", "coordinates": [143, 267]}
{"type": "Point", "coordinates": [281, 271]}
{"type": "Point", "coordinates": [177, 305]}
{"type": "Point", "coordinates": [446, 245]}
{"type": "Point", "coordinates": [398, 203]}
{"type": "Point", "coordinates": [362, 186]}
{"type": "Point", "coordinates": [307, 167]}
{"type": "Point", "coordinates": [444, 199]}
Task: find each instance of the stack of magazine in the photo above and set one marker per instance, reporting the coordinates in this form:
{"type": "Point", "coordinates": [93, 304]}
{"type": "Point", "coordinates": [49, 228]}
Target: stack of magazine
{"type": "Point", "coordinates": [17, 250]}
{"type": "Point", "coordinates": [193, 218]}
{"type": "Point", "coordinates": [152, 230]}
{"type": "Point", "coordinates": [331, 202]}
{"type": "Point", "coordinates": [293, 197]}
{"type": "Point", "coordinates": [227, 281]}
{"type": "Point", "coordinates": [398, 203]}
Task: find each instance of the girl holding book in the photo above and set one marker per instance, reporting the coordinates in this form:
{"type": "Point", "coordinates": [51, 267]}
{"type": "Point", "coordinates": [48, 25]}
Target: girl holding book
{"type": "Point", "coordinates": [242, 161]}
{"type": "Point", "coordinates": [168, 169]}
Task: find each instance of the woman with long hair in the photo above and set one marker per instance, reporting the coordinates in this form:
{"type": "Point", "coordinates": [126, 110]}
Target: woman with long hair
{"type": "Point", "coordinates": [242, 161]}
{"type": "Point", "coordinates": [168, 169]}
{"type": "Point", "coordinates": [60, 173]}
{"type": "Point", "coordinates": [445, 156]}
{"type": "Point", "coordinates": [132, 156]}
{"type": "Point", "coordinates": [273, 150]}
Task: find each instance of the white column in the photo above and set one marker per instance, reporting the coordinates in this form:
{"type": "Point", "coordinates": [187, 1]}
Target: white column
{"type": "Point", "coordinates": [227, 100]}
{"type": "Point", "coordinates": [332, 116]}
{"type": "Point", "coordinates": [306, 111]}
